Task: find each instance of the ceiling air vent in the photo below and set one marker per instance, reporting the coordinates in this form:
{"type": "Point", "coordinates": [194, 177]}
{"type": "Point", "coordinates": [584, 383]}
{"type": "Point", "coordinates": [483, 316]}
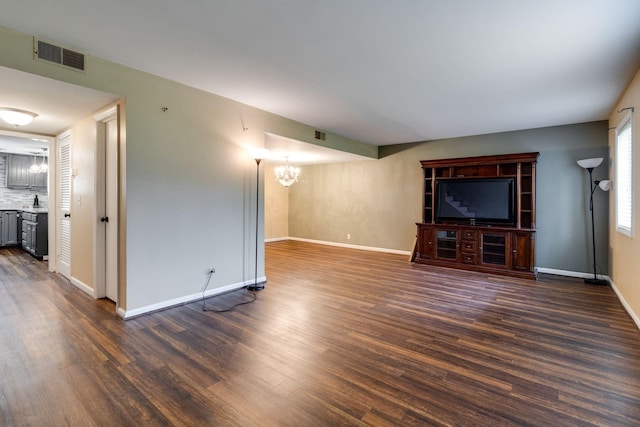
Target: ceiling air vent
{"type": "Point", "coordinates": [59, 55]}
{"type": "Point", "coordinates": [321, 135]}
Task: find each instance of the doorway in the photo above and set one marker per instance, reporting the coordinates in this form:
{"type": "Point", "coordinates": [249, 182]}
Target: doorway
{"type": "Point", "coordinates": [106, 252]}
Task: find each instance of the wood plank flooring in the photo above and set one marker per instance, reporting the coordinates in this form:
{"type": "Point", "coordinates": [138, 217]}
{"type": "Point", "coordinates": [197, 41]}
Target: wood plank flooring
{"type": "Point", "coordinates": [338, 337]}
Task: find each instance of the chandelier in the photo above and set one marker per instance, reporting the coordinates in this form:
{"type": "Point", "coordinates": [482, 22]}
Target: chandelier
{"type": "Point", "coordinates": [287, 174]}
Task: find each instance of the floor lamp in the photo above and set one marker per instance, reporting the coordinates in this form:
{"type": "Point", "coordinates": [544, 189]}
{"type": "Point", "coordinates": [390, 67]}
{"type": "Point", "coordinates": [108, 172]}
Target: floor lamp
{"type": "Point", "coordinates": [258, 155]}
{"type": "Point", "coordinates": [590, 165]}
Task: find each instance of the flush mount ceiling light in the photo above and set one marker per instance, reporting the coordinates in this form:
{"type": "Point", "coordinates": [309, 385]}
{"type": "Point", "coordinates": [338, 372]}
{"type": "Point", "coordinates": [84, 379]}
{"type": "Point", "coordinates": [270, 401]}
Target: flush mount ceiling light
{"type": "Point", "coordinates": [16, 117]}
{"type": "Point", "coordinates": [287, 174]}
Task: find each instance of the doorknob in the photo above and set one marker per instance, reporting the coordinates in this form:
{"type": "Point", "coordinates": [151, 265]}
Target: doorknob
{"type": "Point", "coordinates": [104, 219]}
{"type": "Point", "coordinates": [67, 215]}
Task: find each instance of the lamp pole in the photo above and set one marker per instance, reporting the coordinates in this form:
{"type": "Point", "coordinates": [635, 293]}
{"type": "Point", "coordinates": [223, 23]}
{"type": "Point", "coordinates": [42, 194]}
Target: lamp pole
{"type": "Point", "coordinates": [595, 280]}
{"type": "Point", "coordinates": [257, 286]}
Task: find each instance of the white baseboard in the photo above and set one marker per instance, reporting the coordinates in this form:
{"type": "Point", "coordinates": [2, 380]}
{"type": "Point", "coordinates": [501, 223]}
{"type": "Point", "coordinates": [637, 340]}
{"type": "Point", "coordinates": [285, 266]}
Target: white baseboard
{"type": "Point", "coordinates": [275, 239]}
{"type": "Point", "coordinates": [625, 304]}
{"type": "Point", "coordinates": [82, 286]}
{"type": "Point", "coordinates": [128, 314]}
{"type": "Point", "coordinates": [570, 273]}
{"type": "Point", "coordinates": [345, 245]}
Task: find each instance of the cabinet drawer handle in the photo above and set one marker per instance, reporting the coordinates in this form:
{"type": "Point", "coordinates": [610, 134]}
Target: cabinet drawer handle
{"type": "Point", "coordinates": [67, 215]}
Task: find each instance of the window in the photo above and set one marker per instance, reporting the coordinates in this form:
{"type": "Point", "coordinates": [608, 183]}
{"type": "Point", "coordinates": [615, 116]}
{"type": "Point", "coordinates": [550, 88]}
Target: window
{"type": "Point", "coordinates": [624, 177]}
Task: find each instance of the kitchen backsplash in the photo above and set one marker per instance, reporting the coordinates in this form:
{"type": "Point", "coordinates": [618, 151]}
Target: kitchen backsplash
{"type": "Point", "coordinates": [12, 198]}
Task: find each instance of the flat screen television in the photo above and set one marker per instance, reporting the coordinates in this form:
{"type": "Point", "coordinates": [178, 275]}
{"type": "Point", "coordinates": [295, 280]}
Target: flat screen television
{"type": "Point", "coordinates": [476, 200]}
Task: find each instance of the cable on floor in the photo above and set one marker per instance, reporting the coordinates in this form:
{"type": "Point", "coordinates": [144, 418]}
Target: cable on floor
{"type": "Point", "coordinates": [226, 310]}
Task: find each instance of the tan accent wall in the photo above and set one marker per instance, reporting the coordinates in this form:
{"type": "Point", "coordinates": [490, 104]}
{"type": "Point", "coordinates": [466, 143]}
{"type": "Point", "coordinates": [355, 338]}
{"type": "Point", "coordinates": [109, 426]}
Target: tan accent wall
{"type": "Point", "coordinates": [624, 250]}
{"type": "Point", "coordinates": [276, 200]}
{"type": "Point", "coordinates": [370, 203]}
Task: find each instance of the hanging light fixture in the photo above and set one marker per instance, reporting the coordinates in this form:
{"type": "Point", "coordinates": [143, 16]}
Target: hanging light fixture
{"type": "Point", "coordinates": [287, 174]}
{"type": "Point", "coordinates": [44, 167]}
{"type": "Point", "coordinates": [35, 167]}
{"type": "Point", "coordinates": [16, 117]}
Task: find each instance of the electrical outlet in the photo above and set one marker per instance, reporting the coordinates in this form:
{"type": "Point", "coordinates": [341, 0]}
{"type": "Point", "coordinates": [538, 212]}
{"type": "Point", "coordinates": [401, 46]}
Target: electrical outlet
{"type": "Point", "coordinates": [210, 270]}
{"type": "Point", "coordinates": [348, 236]}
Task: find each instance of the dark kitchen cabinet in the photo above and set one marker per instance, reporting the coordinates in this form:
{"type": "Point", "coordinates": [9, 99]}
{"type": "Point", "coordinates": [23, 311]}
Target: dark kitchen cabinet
{"type": "Point", "coordinates": [8, 228]}
{"type": "Point", "coordinates": [19, 175]}
{"type": "Point", "coordinates": [35, 233]}
{"type": "Point", "coordinates": [18, 171]}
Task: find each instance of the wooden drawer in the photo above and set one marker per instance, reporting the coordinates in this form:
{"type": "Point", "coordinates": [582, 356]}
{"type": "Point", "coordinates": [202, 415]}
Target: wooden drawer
{"type": "Point", "coordinates": [469, 258]}
{"type": "Point", "coordinates": [468, 235]}
{"type": "Point", "coordinates": [468, 246]}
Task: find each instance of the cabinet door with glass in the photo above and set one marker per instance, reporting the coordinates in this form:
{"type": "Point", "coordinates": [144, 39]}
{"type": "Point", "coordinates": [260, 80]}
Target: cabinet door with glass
{"type": "Point", "coordinates": [495, 249]}
{"type": "Point", "coordinates": [447, 245]}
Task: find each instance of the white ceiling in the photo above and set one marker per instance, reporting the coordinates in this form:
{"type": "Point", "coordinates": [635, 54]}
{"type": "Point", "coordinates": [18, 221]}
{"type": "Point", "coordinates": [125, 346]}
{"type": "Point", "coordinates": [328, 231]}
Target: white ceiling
{"type": "Point", "coordinates": [300, 153]}
{"type": "Point", "coordinates": [22, 145]}
{"type": "Point", "coordinates": [378, 71]}
{"type": "Point", "coordinates": [58, 105]}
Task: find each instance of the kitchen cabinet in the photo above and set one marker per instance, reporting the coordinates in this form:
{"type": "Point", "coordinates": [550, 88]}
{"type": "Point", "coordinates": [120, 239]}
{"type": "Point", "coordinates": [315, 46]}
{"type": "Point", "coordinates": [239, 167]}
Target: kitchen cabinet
{"type": "Point", "coordinates": [8, 228]}
{"type": "Point", "coordinates": [35, 233]}
{"type": "Point", "coordinates": [18, 171]}
{"type": "Point", "coordinates": [19, 175]}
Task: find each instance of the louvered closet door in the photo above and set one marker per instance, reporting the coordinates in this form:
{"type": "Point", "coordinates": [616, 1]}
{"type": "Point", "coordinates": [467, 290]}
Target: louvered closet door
{"type": "Point", "coordinates": [63, 216]}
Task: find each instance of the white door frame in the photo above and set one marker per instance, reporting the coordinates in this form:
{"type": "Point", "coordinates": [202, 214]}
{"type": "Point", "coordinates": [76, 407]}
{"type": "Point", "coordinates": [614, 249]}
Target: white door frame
{"type": "Point", "coordinates": [99, 235]}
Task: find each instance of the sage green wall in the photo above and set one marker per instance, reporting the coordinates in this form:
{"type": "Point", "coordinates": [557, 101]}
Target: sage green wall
{"type": "Point", "coordinates": [188, 179]}
{"type": "Point", "coordinates": [378, 202]}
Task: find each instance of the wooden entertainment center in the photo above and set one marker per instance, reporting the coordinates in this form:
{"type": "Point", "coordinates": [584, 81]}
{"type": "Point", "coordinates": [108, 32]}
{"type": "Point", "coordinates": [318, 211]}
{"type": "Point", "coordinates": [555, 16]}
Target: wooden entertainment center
{"type": "Point", "coordinates": [498, 246]}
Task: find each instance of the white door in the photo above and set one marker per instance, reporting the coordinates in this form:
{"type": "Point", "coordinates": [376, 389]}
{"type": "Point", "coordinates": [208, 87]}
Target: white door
{"type": "Point", "coordinates": [106, 244]}
{"type": "Point", "coordinates": [63, 214]}
{"type": "Point", "coordinates": [111, 208]}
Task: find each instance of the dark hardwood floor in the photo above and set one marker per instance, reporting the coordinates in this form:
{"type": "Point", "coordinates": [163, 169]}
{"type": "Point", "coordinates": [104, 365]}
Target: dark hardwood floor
{"type": "Point", "coordinates": [338, 337]}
